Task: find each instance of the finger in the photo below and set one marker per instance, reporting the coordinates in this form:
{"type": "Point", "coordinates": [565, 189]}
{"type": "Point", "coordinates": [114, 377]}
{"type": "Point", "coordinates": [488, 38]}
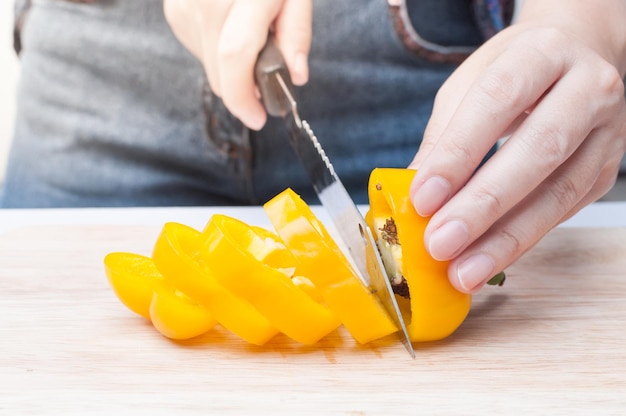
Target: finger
{"type": "Point", "coordinates": [524, 225]}
{"type": "Point", "coordinates": [444, 106]}
{"type": "Point", "coordinates": [186, 23]}
{"type": "Point", "coordinates": [436, 125]}
{"type": "Point", "coordinates": [213, 13]}
{"type": "Point", "coordinates": [493, 102]}
{"type": "Point", "coordinates": [293, 35]}
{"type": "Point", "coordinates": [602, 186]}
{"type": "Point", "coordinates": [553, 131]}
{"type": "Point", "coordinates": [447, 102]}
{"type": "Point", "coordinates": [237, 52]}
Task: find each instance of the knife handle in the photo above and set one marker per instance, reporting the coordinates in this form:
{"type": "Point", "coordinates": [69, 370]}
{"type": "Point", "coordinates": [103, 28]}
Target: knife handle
{"type": "Point", "coordinates": [269, 64]}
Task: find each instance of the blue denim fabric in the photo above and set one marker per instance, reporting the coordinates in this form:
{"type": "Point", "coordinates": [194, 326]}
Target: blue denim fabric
{"type": "Point", "coordinates": [111, 110]}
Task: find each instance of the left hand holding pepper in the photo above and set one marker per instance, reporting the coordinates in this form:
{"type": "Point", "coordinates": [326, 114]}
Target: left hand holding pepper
{"type": "Point", "coordinates": [554, 82]}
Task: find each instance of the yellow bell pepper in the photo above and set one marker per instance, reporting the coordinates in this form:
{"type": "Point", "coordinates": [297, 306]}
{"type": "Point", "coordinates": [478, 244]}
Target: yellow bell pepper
{"type": "Point", "coordinates": [254, 264]}
{"type": "Point", "coordinates": [256, 283]}
{"type": "Point", "coordinates": [321, 261]}
{"type": "Point", "coordinates": [177, 256]}
{"type": "Point", "coordinates": [436, 307]}
{"type": "Point", "coordinates": [176, 315]}
{"type": "Point", "coordinates": [141, 287]}
{"type": "Point", "coordinates": [133, 278]}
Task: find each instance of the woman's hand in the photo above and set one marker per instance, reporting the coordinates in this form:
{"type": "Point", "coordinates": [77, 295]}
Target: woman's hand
{"type": "Point", "coordinates": [227, 36]}
{"type": "Point", "coordinates": [553, 81]}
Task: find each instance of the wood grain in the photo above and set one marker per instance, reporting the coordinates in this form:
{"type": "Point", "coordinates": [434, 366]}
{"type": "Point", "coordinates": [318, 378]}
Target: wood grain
{"type": "Point", "coordinates": [552, 340]}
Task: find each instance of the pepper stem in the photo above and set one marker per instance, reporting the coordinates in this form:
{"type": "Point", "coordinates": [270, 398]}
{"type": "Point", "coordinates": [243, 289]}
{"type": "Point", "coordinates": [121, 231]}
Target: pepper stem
{"type": "Point", "coordinates": [497, 280]}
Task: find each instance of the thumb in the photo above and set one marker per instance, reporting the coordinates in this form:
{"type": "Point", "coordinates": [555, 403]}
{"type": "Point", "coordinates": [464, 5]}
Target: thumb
{"type": "Point", "coordinates": [293, 35]}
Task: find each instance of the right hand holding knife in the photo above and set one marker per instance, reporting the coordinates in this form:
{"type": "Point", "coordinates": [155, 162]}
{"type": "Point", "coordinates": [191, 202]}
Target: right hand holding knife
{"type": "Point", "coordinates": [227, 36]}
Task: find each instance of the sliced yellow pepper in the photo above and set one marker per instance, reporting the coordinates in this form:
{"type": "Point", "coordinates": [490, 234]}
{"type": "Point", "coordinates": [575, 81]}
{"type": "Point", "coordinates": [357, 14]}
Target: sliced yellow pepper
{"type": "Point", "coordinates": [133, 278]}
{"type": "Point", "coordinates": [176, 255]}
{"type": "Point", "coordinates": [254, 264]}
{"type": "Point", "coordinates": [436, 307]}
{"type": "Point", "coordinates": [176, 315]}
{"type": "Point", "coordinates": [321, 261]}
{"type": "Point", "coordinates": [256, 283]}
{"type": "Point", "coordinates": [141, 287]}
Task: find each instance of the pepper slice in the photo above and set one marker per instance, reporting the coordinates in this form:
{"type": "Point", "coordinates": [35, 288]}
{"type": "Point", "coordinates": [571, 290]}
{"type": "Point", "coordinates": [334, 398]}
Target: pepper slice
{"type": "Point", "coordinates": [436, 307]}
{"type": "Point", "coordinates": [176, 255]}
{"type": "Point", "coordinates": [176, 315]}
{"type": "Point", "coordinates": [140, 286]}
{"type": "Point", "coordinates": [133, 278]}
{"type": "Point", "coordinates": [253, 263]}
{"type": "Point", "coordinates": [320, 260]}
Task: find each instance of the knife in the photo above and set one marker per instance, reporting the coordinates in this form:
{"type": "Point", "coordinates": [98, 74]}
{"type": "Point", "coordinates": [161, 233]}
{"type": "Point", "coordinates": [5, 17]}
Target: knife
{"type": "Point", "coordinates": [274, 83]}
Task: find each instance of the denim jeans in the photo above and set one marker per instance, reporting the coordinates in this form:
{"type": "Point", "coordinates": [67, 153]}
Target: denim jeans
{"type": "Point", "coordinates": [113, 111]}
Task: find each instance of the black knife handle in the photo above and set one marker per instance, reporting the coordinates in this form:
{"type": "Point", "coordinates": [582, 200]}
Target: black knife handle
{"type": "Point", "coordinates": [269, 63]}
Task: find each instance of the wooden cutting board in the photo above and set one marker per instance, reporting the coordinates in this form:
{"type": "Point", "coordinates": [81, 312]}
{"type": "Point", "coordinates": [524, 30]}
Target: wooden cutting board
{"type": "Point", "coordinates": [552, 340]}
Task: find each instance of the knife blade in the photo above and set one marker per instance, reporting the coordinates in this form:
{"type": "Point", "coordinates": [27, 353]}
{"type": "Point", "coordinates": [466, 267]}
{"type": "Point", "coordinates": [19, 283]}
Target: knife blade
{"type": "Point", "coordinates": [274, 83]}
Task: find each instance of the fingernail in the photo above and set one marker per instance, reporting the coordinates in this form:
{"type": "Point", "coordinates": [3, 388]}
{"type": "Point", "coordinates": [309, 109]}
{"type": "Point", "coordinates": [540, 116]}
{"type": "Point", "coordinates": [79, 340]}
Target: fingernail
{"type": "Point", "coordinates": [474, 272]}
{"type": "Point", "coordinates": [431, 196]}
{"type": "Point", "coordinates": [448, 239]}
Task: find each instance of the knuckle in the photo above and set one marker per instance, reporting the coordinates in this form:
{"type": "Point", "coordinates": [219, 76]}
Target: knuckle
{"type": "Point", "coordinates": [550, 144]}
{"type": "Point", "coordinates": [459, 151]}
{"type": "Point", "coordinates": [491, 205]}
{"type": "Point", "coordinates": [551, 38]}
{"type": "Point", "coordinates": [500, 88]}
{"type": "Point", "coordinates": [230, 50]}
{"type": "Point", "coordinates": [567, 191]}
{"type": "Point", "coordinates": [609, 81]}
{"type": "Point", "coordinates": [512, 241]}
